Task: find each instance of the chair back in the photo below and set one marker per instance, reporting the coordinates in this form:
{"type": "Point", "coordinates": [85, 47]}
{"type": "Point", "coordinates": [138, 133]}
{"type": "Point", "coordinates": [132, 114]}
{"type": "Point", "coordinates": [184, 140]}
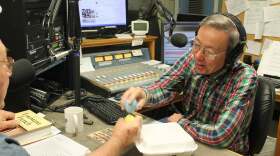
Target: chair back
{"type": "Point", "coordinates": [262, 114]}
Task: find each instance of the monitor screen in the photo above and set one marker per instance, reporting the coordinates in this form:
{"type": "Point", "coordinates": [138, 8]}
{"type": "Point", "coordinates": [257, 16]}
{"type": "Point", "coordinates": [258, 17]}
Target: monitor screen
{"type": "Point", "coordinates": [172, 53]}
{"type": "Point", "coordinates": [102, 13]}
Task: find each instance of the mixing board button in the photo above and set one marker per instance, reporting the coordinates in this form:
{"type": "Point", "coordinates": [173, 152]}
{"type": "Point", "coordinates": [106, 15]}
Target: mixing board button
{"type": "Point", "coordinates": [97, 80]}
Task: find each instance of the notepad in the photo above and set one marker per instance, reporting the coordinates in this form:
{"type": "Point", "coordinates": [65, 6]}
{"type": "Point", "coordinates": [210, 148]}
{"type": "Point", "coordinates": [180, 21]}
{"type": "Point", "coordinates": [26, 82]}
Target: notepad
{"type": "Point", "coordinates": [32, 128]}
{"type": "Point", "coordinates": [30, 121]}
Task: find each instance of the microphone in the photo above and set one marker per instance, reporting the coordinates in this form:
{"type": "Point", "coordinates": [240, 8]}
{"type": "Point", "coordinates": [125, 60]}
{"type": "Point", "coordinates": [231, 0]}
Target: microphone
{"type": "Point", "coordinates": [23, 73]}
{"type": "Point", "coordinates": [179, 40]}
{"type": "Point", "coordinates": [61, 55]}
{"type": "Point", "coordinates": [52, 58]}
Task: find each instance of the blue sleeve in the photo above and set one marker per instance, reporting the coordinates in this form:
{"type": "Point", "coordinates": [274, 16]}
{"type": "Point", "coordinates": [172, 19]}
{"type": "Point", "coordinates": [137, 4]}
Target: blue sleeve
{"type": "Point", "coordinates": [9, 147]}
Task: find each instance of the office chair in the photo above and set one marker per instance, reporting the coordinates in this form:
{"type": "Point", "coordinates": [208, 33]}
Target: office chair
{"type": "Point", "coordinates": [262, 115]}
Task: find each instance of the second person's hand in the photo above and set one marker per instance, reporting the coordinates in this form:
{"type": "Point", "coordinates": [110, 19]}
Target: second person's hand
{"type": "Point", "coordinates": [7, 120]}
{"type": "Point", "coordinates": [126, 132]}
{"type": "Point", "coordinates": [134, 93]}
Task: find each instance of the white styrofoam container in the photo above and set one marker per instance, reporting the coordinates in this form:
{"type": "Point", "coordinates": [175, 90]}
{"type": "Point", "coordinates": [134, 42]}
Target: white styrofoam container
{"type": "Point", "coordinates": [165, 139]}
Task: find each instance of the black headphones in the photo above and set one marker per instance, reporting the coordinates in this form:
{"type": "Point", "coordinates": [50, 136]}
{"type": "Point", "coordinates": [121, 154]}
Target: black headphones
{"type": "Point", "coordinates": [238, 49]}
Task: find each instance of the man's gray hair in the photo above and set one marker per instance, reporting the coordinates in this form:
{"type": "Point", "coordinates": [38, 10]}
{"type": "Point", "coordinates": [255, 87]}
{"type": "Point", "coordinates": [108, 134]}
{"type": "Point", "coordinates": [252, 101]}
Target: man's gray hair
{"type": "Point", "coordinates": [223, 23]}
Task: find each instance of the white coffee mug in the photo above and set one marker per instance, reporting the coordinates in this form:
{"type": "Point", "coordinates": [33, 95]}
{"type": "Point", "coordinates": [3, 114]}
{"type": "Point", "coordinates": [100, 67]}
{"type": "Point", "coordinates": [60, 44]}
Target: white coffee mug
{"type": "Point", "coordinates": [74, 119]}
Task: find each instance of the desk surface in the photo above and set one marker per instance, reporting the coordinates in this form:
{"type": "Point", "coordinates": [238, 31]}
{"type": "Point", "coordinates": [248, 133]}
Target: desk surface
{"type": "Point", "coordinates": [58, 119]}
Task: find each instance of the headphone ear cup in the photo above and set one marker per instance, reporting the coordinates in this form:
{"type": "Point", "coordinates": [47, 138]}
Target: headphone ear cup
{"type": "Point", "coordinates": [238, 49]}
{"type": "Point", "coordinates": [235, 53]}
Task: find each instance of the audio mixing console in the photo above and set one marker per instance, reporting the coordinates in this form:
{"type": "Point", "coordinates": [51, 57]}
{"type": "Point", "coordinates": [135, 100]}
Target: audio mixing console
{"type": "Point", "coordinates": [119, 74]}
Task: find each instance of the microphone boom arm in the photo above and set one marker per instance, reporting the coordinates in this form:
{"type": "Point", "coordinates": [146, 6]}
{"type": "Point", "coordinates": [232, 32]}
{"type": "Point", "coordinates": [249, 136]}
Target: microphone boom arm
{"type": "Point", "coordinates": [50, 16]}
{"type": "Point", "coordinates": [158, 7]}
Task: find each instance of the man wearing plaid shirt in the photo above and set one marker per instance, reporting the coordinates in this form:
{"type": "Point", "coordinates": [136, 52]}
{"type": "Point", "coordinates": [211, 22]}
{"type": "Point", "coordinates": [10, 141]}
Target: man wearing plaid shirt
{"type": "Point", "coordinates": [218, 90]}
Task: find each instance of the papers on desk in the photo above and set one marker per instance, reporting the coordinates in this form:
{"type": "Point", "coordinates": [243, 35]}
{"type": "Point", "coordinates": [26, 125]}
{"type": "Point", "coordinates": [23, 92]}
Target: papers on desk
{"type": "Point", "coordinates": [37, 135]}
{"type": "Point", "coordinates": [32, 128]}
{"type": "Point", "coordinates": [58, 145]}
{"type": "Point", "coordinates": [269, 63]}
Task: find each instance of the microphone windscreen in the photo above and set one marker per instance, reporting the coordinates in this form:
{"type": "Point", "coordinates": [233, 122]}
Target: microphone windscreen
{"type": "Point", "coordinates": [179, 40]}
{"type": "Point", "coordinates": [23, 73]}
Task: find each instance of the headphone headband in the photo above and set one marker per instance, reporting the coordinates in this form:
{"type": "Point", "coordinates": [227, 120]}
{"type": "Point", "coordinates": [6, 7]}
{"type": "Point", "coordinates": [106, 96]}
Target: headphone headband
{"type": "Point", "coordinates": [238, 49]}
{"type": "Point", "coordinates": [239, 26]}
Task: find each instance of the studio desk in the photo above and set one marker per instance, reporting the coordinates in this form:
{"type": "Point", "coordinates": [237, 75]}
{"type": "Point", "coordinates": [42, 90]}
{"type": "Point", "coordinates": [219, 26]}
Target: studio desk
{"type": "Point", "coordinates": [59, 122]}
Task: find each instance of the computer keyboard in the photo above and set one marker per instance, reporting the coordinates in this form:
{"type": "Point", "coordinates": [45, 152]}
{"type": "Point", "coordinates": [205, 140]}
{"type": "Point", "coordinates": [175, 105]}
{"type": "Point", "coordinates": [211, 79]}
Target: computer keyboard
{"type": "Point", "coordinates": [103, 108]}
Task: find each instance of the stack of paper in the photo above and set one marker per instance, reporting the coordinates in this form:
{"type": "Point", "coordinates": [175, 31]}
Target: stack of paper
{"type": "Point", "coordinates": [39, 138]}
{"type": "Point", "coordinates": [58, 145]}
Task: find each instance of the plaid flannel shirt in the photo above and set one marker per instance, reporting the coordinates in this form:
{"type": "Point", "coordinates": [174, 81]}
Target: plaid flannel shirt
{"type": "Point", "coordinates": [218, 107]}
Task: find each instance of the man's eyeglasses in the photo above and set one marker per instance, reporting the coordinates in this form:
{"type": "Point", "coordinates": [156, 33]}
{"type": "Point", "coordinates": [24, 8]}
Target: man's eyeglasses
{"type": "Point", "coordinates": [9, 61]}
{"type": "Point", "coordinates": [207, 52]}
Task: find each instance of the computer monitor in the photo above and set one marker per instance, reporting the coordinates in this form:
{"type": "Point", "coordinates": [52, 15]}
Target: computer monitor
{"type": "Point", "coordinates": [100, 14]}
{"type": "Point", "coordinates": [171, 53]}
